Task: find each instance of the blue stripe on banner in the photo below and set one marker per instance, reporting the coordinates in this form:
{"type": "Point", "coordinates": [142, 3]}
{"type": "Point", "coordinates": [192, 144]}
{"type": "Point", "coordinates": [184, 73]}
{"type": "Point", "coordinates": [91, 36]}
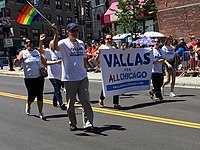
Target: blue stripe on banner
{"type": "Point", "coordinates": [127, 84]}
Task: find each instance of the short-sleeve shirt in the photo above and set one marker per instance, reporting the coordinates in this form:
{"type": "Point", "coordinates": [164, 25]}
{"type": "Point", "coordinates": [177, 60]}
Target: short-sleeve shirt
{"type": "Point", "coordinates": [169, 52]}
{"type": "Point", "coordinates": [158, 54]}
{"type": "Point", "coordinates": [55, 70]}
{"type": "Point", "coordinates": [31, 63]}
{"type": "Point", "coordinates": [73, 54]}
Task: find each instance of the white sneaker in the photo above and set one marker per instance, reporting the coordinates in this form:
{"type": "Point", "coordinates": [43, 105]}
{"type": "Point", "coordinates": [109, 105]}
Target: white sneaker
{"type": "Point", "coordinates": [27, 109]}
{"type": "Point", "coordinates": [41, 115]}
{"type": "Point", "coordinates": [172, 94]}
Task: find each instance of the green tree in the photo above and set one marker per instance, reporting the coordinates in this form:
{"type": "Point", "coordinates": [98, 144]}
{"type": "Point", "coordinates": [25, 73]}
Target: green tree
{"type": "Point", "coordinates": [133, 13]}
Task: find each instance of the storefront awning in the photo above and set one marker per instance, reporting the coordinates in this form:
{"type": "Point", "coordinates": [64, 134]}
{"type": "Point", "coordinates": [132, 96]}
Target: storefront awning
{"type": "Point", "coordinates": [109, 15]}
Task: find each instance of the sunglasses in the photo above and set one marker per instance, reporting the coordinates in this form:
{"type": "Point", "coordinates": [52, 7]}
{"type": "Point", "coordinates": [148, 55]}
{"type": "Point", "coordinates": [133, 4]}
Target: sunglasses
{"type": "Point", "coordinates": [73, 31]}
{"type": "Point", "coordinates": [156, 41]}
{"type": "Point", "coordinates": [109, 39]}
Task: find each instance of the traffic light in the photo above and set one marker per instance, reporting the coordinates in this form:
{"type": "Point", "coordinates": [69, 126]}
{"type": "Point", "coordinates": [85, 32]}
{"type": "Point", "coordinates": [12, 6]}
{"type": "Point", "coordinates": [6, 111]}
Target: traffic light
{"type": "Point", "coordinates": [87, 9]}
{"type": "Point", "coordinates": [76, 13]}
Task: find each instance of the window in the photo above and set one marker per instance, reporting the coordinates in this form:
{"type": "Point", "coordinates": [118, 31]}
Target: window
{"type": "Point", "coordinates": [46, 2]}
{"type": "Point", "coordinates": [89, 25]}
{"type": "Point", "coordinates": [36, 32]}
{"type": "Point", "coordinates": [20, 1]}
{"type": "Point", "coordinates": [48, 16]}
{"type": "Point", "coordinates": [59, 20]}
{"type": "Point", "coordinates": [49, 33]}
{"type": "Point", "coordinates": [58, 4]}
{"type": "Point", "coordinates": [97, 2]}
{"type": "Point", "coordinates": [67, 6]}
{"type": "Point", "coordinates": [23, 32]}
{"type": "Point", "coordinates": [89, 36]}
{"type": "Point", "coordinates": [68, 20]}
{"type": "Point", "coordinates": [7, 14]}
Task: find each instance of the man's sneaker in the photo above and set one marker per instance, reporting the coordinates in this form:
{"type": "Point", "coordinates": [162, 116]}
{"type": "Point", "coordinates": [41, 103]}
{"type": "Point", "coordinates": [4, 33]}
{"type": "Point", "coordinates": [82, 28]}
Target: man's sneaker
{"type": "Point", "coordinates": [41, 115]}
{"type": "Point", "coordinates": [89, 129]}
{"type": "Point", "coordinates": [172, 94]}
{"type": "Point", "coordinates": [27, 109]}
{"type": "Point", "coordinates": [151, 94]}
{"type": "Point", "coordinates": [63, 107]}
{"type": "Point", "coordinates": [72, 128]}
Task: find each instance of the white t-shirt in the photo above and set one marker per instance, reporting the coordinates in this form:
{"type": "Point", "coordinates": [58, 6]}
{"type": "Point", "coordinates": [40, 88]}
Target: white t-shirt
{"type": "Point", "coordinates": [73, 54]}
{"type": "Point", "coordinates": [169, 52]}
{"type": "Point", "coordinates": [158, 54]}
{"type": "Point", "coordinates": [31, 63]}
{"type": "Point", "coordinates": [55, 70]}
{"type": "Point", "coordinates": [106, 47]}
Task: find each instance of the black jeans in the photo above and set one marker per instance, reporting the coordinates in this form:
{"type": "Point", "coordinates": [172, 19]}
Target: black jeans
{"type": "Point", "coordinates": [115, 98]}
{"type": "Point", "coordinates": [157, 81]}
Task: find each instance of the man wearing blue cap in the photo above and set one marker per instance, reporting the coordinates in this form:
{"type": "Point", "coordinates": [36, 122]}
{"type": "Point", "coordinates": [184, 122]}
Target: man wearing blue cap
{"type": "Point", "coordinates": [74, 76]}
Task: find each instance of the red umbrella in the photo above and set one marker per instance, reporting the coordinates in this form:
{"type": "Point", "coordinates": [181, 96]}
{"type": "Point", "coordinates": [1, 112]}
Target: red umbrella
{"type": "Point", "coordinates": [192, 43]}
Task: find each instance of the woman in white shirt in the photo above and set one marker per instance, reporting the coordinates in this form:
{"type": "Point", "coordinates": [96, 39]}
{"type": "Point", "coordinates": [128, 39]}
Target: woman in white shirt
{"type": "Point", "coordinates": [32, 60]}
{"type": "Point", "coordinates": [169, 72]}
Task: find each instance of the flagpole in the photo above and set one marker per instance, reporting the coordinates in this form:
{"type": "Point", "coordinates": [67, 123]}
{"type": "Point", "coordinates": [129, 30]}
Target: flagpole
{"type": "Point", "coordinates": [39, 13]}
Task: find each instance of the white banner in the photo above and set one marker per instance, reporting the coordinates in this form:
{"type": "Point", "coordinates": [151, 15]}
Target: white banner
{"type": "Point", "coordinates": [126, 71]}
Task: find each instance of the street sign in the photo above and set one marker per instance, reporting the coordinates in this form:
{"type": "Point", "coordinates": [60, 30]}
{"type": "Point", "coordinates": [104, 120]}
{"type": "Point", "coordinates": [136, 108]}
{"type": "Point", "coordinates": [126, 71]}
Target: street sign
{"type": "Point", "coordinates": [2, 4]}
{"type": "Point", "coordinates": [8, 42]}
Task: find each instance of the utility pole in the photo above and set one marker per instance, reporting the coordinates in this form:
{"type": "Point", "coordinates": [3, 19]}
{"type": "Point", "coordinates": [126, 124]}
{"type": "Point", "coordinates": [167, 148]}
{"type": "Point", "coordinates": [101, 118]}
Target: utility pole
{"type": "Point", "coordinates": [82, 19]}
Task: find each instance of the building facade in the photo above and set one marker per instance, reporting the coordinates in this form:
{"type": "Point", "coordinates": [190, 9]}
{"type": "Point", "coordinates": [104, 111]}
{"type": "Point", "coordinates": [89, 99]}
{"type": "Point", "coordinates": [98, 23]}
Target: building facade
{"type": "Point", "coordinates": [60, 12]}
{"type": "Point", "coordinates": [178, 18]}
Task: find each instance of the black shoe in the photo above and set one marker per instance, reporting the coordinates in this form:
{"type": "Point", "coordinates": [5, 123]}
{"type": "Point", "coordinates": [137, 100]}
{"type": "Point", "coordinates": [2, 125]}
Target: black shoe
{"type": "Point", "coordinates": [55, 104]}
{"type": "Point", "coordinates": [89, 129]}
{"type": "Point", "coordinates": [63, 107]}
{"type": "Point", "coordinates": [72, 128]}
{"type": "Point", "coordinates": [151, 94]}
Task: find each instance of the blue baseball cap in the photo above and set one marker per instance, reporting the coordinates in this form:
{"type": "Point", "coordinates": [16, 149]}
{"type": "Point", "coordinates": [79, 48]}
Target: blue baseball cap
{"type": "Point", "coordinates": [71, 26]}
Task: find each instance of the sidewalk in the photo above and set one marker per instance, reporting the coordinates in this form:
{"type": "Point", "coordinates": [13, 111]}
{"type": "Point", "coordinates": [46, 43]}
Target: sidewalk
{"type": "Point", "coordinates": [190, 82]}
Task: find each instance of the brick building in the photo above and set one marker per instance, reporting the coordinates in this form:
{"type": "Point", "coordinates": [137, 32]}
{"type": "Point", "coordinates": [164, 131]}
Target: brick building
{"type": "Point", "coordinates": [60, 12]}
{"type": "Point", "coordinates": [178, 17]}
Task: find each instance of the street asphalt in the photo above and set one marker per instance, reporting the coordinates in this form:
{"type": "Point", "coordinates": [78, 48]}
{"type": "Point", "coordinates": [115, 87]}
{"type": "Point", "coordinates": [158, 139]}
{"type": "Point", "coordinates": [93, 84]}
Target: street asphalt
{"type": "Point", "coordinates": [181, 81]}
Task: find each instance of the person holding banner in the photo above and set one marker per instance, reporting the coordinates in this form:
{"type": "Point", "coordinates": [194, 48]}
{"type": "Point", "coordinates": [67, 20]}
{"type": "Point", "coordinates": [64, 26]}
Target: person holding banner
{"type": "Point", "coordinates": [108, 45]}
{"type": "Point", "coordinates": [74, 76]}
{"type": "Point", "coordinates": [157, 71]}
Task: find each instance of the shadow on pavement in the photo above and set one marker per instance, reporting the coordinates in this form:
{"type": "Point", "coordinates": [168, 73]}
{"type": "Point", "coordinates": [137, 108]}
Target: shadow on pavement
{"type": "Point", "coordinates": [56, 116]}
{"type": "Point", "coordinates": [99, 130]}
{"type": "Point", "coordinates": [149, 104]}
{"type": "Point", "coordinates": [185, 95]}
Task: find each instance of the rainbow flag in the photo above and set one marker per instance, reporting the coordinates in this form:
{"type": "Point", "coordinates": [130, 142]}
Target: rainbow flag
{"type": "Point", "coordinates": [28, 15]}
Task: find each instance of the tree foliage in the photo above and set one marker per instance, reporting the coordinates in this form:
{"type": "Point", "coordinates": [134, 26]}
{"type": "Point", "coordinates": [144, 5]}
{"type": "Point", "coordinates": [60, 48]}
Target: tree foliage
{"type": "Point", "coordinates": [133, 13]}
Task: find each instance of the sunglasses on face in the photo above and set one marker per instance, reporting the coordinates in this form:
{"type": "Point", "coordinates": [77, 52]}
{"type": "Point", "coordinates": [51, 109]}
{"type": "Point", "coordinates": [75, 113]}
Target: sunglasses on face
{"type": "Point", "coordinates": [156, 41]}
{"type": "Point", "coordinates": [73, 31]}
{"type": "Point", "coordinates": [109, 39]}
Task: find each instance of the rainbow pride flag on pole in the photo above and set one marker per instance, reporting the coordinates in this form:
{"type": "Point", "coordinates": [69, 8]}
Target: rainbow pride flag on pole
{"type": "Point", "coordinates": [28, 15]}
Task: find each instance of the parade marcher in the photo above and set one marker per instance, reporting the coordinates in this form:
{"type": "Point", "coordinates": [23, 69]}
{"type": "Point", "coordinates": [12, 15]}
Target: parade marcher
{"type": "Point", "coordinates": [157, 71]}
{"type": "Point", "coordinates": [170, 72]}
{"type": "Point", "coordinates": [108, 45]}
{"type": "Point", "coordinates": [75, 78]}
{"type": "Point", "coordinates": [54, 61]}
{"type": "Point", "coordinates": [34, 81]}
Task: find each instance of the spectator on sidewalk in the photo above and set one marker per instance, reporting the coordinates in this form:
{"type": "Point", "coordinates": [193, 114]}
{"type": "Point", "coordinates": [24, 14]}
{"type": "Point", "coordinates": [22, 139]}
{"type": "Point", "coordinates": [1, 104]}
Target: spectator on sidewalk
{"type": "Point", "coordinates": [75, 78]}
{"type": "Point", "coordinates": [34, 81]}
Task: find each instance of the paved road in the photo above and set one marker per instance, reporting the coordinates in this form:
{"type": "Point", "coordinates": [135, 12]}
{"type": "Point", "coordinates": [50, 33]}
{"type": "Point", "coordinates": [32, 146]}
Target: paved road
{"type": "Point", "coordinates": [140, 125]}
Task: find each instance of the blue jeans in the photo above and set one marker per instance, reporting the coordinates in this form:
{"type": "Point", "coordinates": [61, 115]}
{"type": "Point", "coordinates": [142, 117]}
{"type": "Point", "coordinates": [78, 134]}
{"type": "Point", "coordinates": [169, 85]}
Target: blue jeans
{"type": "Point", "coordinates": [57, 94]}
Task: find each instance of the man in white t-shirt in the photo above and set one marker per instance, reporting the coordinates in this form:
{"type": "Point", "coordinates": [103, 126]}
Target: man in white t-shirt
{"type": "Point", "coordinates": [75, 78]}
